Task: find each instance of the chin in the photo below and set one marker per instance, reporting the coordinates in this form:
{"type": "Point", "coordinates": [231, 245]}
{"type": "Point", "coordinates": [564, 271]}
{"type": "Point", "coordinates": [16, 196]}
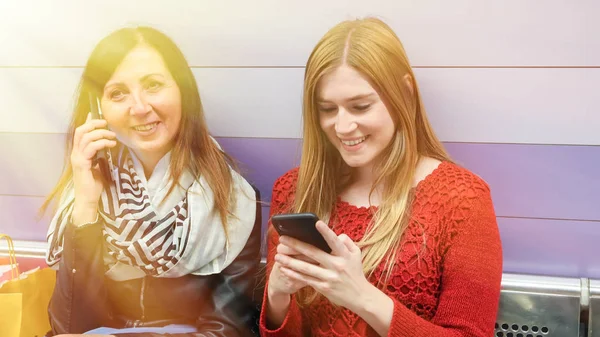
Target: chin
{"type": "Point", "coordinates": [352, 164]}
{"type": "Point", "coordinates": [355, 162]}
{"type": "Point", "coordinates": [150, 146]}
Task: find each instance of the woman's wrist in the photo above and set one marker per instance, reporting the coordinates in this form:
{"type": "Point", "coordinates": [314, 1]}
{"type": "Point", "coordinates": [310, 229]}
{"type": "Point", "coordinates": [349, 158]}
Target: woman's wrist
{"type": "Point", "coordinates": [376, 308]}
{"type": "Point", "coordinates": [84, 214]}
{"type": "Point", "coordinates": [277, 307]}
{"type": "Point", "coordinates": [278, 300]}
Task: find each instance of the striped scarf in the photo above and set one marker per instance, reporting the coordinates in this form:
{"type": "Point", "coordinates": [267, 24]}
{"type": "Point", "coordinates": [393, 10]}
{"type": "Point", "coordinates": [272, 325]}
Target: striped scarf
{"type": "Point", "coordinates": [140, 240]}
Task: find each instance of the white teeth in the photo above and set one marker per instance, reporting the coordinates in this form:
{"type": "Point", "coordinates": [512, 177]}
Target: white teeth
{"type": "Point", "coordinates": [146, 127]}
{"type": "Point", "coordinates": [354, 142]}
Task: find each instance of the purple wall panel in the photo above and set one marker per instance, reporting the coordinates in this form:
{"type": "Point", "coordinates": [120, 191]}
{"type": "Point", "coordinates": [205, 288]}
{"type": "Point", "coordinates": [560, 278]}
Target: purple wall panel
{"type": "Point", "coordinates": [34, 163]}
{"type": "Point", "coordinates": [19, 218]}
{"type": "Point", "coordinates": [551, 247]}
{"type": "Point", "coordinates": [543, 247]}
{"type": "Point", "coordinates": [528, 182]}
{"type": "Point", "coordinates": [263, 160]}
{"type": "Point", "coordinates": [538, 181]}
{"type": "Point", "coordinates": [546, 196]}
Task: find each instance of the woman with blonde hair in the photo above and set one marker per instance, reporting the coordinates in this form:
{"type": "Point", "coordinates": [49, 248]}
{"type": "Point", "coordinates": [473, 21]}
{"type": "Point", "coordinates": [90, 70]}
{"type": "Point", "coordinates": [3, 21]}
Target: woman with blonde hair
{"type": "Point", "coordinates": [415, 244]}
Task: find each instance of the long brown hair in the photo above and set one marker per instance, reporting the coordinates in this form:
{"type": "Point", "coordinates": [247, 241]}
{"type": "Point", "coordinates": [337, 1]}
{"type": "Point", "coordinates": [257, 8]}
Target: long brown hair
{"type": "Point", "coordinates": [373, 49]}
{"type": "Point", "coordinates": [193, 147]}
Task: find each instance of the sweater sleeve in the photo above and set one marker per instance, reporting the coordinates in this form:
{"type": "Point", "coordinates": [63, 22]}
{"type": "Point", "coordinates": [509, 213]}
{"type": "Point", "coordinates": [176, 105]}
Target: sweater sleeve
{"type": "Point", "coordinates": [280, 201]}
{"type": "Point", "coordinates": [471, 281]}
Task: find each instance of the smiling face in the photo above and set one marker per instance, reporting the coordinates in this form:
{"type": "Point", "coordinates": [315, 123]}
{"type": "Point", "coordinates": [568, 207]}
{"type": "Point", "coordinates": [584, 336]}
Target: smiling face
{"type": "Point", "coordinates": [353, 116]}
{"type": "Point", "coordinates": [142, 103]}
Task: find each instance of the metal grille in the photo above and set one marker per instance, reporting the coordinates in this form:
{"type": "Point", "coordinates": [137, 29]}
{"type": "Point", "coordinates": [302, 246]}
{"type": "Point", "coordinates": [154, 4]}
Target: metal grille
{"type": "Point", "coordinates": [515, 330]}
{"type": "Point", "coordinates": [538, 306]}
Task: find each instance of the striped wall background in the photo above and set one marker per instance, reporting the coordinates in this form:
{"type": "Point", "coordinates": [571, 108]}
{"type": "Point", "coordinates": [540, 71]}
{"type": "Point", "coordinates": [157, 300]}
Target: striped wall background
{"type": "Point", "coordinates": [511, 87]}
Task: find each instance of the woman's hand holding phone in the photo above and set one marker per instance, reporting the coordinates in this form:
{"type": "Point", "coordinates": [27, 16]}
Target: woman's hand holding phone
{"type": "Point", "coordinates": [89, 138]}
{"type": "Point", "coordinates": [299, 225]}
{"type": "Point", "coordinates": [279, 289]}
{"type": "Point", "coordinates": [339, 277]}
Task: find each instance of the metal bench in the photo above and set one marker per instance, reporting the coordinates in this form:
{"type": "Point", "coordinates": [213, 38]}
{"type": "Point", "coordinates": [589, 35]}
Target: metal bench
{"type": "Point", "coordinates": [594, 309]}
{"type": "Point", "coordinates": [530, 305]}
{"type": "Point", "coordinates": [536, 306]}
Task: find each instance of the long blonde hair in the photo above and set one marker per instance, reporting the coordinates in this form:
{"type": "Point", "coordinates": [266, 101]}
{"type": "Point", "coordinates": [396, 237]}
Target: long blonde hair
{"type": "Point", "coordinates": [193, 147]}
{"type": "Point", "coordinates": [373, 49]}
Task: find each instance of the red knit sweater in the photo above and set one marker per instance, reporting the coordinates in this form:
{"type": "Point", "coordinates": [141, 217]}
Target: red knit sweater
{"type": "Point", "coordinates": [448, 287]}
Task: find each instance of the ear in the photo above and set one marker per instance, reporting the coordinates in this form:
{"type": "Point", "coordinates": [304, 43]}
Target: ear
{"type": "Point", "coordinates": [408, 81]}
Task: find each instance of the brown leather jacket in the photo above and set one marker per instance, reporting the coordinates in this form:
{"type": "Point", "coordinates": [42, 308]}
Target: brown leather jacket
{"type": "Point", "coordinates": [218, 305]}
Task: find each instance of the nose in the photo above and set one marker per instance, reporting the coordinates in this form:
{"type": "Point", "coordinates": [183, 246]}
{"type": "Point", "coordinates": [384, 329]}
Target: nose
{"type": "Point", "coordinates": [345, 122]}
{"type": "Point", "coordinates": [140, 106]}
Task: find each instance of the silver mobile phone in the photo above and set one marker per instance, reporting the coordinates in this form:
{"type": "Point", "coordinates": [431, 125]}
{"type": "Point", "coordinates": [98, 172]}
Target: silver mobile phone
{"type": "Point", "coordinates": [104, 156]}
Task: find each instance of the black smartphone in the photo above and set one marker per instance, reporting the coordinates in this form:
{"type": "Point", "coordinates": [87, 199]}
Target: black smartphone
{"type": "Point", "coordinates": [104, 156]}
{"type": "Point", "coordinates": [300, 226]}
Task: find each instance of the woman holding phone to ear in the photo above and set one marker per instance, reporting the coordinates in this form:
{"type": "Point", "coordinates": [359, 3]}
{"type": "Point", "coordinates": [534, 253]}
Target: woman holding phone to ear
{"type": "Point", "coordinates": [171, 243]}
{"type": "Point", "coordinates": [415, 244]}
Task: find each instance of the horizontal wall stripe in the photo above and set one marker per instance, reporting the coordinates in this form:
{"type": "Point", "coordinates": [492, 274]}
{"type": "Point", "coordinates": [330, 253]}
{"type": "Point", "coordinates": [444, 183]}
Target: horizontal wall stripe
{"type": "Point", "coordinates": [464, 105]}
{"type": "Point", "coordinates": [19, 218]}
{"type": "Point", "coordinates": [512, 105]}
{"type": "Point", "coordinates": [549, 219]}
{"type": "Point", "coordinates": [537, 181]}
{"type": "Point", "coordinates": [275, 33]}
{"type": "Point", "coordinates": [526, 181]}
{"type": "Point", "coordinates": [545, 247]}
{"type": "Point", "coordinates": [531, 181]}
{"type": "Point", "coordinates": [32, 163]}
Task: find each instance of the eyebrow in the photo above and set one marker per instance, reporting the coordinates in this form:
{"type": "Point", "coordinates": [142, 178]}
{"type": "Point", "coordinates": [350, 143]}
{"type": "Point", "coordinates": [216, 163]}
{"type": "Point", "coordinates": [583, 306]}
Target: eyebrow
{"type": "Point", "coordinates": [145, 77]}
{"type": "Point", "coordinates": [353, 98]}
